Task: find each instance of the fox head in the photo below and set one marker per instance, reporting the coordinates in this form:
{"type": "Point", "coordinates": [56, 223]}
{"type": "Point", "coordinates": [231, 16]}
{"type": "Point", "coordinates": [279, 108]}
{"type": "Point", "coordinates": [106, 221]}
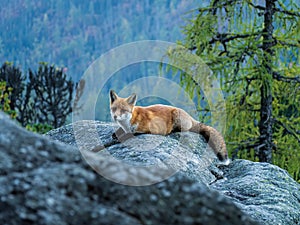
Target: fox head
{"type": "Point", "coordinates": [121, 108]}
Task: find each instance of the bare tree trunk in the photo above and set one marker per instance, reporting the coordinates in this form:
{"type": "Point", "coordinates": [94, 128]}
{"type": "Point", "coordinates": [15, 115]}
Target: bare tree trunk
{"type": "Point", "coordinates": [265, 126]}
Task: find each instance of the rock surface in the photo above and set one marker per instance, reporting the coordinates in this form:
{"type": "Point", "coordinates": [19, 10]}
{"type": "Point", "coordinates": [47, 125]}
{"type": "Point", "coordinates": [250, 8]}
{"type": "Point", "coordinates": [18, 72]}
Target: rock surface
{"type": "Point", "coordinates": [155, 157]}
{"type": "Point", "coordinates": [47, 182]}
{"type": "Point", "coordinates": [264, 191]}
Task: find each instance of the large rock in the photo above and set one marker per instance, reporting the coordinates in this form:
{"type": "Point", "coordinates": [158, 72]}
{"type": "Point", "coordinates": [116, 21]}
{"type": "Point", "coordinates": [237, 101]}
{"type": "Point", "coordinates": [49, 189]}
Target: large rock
{"type": "Point", "coordinates": [153, 157]}
{"type": "Point", "coordinates": [47, 182]}
{"type": "Point", "coordinates": [265, 192]}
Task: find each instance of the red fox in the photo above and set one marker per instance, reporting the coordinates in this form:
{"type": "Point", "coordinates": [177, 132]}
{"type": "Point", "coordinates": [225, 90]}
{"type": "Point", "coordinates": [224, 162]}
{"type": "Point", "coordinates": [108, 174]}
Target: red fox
{"type": "Point", "coordinates": [162, 119]}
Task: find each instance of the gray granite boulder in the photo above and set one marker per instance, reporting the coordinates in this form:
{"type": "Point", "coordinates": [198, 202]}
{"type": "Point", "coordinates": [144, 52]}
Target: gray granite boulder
{"type": "Point", "coordinates": [265, 192]}
{"type": "Point", "coordinates": [43, 181]}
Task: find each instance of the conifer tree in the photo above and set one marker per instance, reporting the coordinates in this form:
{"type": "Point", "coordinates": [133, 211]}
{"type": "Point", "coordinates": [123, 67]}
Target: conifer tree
{"type": "Point", "coordinates": [253, 48]}
{"type": "Point", "coordinates": [52, 95]}
{"type": "Point", "coordinates": [14, 80]}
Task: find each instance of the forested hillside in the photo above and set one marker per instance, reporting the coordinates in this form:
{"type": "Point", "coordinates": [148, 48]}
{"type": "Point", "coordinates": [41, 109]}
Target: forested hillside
{"type": "Point", "coordinates": [73, 33]}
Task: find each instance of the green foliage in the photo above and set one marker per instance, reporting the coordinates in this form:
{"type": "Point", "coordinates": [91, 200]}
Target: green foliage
{"type": "Point", "coordinates": [231, 38]}
{"type": "Point", "coordinates": [14, 82]}
{"type": "Point", "coordinates": [41, 103]}
{"type": "Point", "coordinates": [39, 128]}
{"type": "Point", "coordinates": [52, 95]}
{"type": "Point", "coordinates": [5, 107]}
{"type": "Point", "coordinates": [5, 101]}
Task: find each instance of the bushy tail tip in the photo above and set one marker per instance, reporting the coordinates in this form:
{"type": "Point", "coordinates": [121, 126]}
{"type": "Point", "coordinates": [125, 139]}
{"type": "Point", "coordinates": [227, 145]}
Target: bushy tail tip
{"type": "Point", "coordinates": [225, 162]}
{"type": "Point", "coordinates": [223, 159]}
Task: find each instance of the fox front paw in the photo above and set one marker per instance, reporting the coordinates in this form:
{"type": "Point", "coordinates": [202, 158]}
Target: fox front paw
{"type": "Point", "coordinates": [121, 136]}
{"type": "Point", "coordinates": [114, 136]}
{"type": "Point", "coordinates": [118, 133]}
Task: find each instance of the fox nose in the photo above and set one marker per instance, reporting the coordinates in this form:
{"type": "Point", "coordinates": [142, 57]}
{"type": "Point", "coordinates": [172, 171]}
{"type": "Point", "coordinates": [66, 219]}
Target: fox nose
{"type": "Point", "coordinates": [115, 117]}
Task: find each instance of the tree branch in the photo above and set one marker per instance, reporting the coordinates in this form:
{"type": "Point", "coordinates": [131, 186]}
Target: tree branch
{"type": "Point", "coordinates": [287, 129]}
{"type": "Point", "coordinates": [279, 77]}
{"type": "Point", "coordinates": [244, 142]}
{"type": "Point", "coordinates": [226, 37]}
{"type": "Point", "coordinates": [244, 147]}
{"type": "Point", "coordinates": [297, 45]}
{"type": "Point", "coordinates": [216, 5]}
{"type": "Point", "coordinates": [290, 13]}
{"type": "Point", "coordinates": [256, 6]}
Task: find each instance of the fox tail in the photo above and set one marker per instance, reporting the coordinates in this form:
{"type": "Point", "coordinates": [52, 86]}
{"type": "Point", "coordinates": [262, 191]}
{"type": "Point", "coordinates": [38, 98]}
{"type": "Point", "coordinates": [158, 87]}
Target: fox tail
{"type": "Point", "coordinates": [214, 139]}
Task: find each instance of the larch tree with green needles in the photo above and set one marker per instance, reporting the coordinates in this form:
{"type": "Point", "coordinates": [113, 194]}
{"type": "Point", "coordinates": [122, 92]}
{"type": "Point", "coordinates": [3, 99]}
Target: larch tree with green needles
{"type": "Point", "coordinates": [253, 48]}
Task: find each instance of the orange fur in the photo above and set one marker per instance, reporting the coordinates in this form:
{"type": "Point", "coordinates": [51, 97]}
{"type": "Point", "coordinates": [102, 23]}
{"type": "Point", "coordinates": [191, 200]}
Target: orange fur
{"type": "Point", "coordinates": [162, 119]}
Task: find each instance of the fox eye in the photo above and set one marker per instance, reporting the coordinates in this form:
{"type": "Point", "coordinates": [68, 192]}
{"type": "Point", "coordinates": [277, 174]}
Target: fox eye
{"type": "Point", "coordinates": [113, 109]}
{"type": "Point", "coordinates": [123, 111]}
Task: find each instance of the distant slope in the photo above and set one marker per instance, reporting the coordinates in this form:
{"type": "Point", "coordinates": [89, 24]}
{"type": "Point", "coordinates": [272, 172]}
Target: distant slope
{"type": "Point", "coordinates": [73, 33]}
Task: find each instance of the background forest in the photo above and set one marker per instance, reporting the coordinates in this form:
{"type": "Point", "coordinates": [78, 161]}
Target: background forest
{"type": "Point", "coordinates": [73, 33]}
{"type": "Point", "coordinates": [251, 46]}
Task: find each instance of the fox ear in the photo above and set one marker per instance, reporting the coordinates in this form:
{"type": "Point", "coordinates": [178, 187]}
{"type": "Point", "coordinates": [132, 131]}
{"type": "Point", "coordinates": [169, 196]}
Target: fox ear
{"type": "Point", "coordinates": [132, 99]}
{"type": "Point", "coordinates": [113, 96]}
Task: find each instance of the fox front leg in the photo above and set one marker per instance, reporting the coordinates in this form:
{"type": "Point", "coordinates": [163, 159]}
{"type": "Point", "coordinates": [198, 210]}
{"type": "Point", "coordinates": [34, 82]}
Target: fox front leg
{"type": "Point", "coordinates": [121, 135]}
